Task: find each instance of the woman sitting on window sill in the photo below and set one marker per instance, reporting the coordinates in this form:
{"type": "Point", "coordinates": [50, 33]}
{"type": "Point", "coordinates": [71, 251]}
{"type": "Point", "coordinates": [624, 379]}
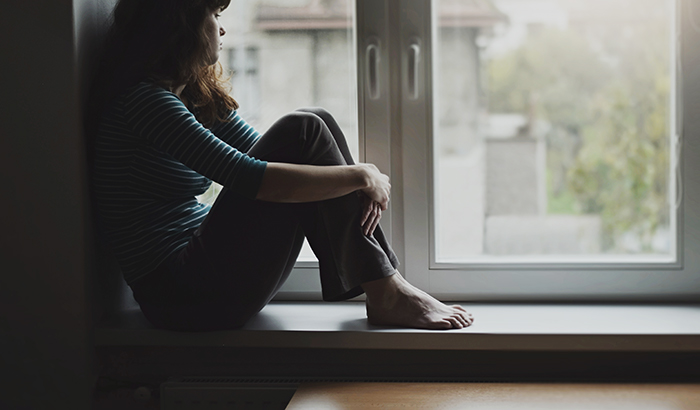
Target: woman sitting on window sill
{"type": "Point", "coordinates": [167, 128]}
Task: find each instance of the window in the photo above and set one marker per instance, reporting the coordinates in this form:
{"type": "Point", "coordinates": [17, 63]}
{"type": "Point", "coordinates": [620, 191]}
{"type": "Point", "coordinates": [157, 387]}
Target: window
{"type": "Point", "coordinates": [533, 145]}
{"type": "Point", "coordinates": [244, 69]}
{"type": "Point", "coordinates": [553, 131]}
{"type": "Point", "coordinates": [565, 187]}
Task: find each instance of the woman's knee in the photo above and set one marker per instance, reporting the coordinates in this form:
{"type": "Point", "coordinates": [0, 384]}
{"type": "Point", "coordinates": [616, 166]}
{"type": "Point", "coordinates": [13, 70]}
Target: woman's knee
{"type": "Point", "coordinates": [294, 128]}
{"type": "Point", "coordinates": [309, 126]}
{"type": "Point", "coordinates": [302, 122]}
{"type": "Point", "coordinates": [319, 111]}
{"type": "Point", "coordinates": [334, 129]}
{"type": "Point", "coordinates": [308, 133]}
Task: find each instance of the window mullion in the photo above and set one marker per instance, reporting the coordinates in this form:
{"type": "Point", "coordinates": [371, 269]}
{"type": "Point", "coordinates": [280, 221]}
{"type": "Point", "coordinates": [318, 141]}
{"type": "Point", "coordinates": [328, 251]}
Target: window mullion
{"type": "Point", "coordinates": [374, 89]}
{"type": "Point", "coordinates": [415, 90]}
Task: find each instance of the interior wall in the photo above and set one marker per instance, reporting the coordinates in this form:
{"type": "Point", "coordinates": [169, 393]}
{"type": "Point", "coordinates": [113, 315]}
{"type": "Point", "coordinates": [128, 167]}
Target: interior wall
{"type": "Point", "coordinates": [45, 346]}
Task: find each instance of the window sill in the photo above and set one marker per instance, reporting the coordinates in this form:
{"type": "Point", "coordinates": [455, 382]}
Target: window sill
{"type": "Point", "coordinates": [516, 327]}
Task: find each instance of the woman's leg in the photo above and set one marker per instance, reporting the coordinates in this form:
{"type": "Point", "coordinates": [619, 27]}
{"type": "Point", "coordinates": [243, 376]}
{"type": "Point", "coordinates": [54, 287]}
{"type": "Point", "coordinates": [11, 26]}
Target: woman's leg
{"type": "Point", "coordinates": [346, 256]}
{"type": "Point", "coordinates": [392, 300]}
{"type": "Point", "coordinates": [243, 252]}
{"type": "Point", "coordinates": [356, 258]}
{"type": "Point", "coordinates": [340, 140]}
{"type": "Point", "coordinates": [245, 249]}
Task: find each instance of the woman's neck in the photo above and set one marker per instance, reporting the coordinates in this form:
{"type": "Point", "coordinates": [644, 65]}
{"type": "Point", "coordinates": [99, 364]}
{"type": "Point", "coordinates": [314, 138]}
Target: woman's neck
{"type": "Point", "coordinates": [177, 90]}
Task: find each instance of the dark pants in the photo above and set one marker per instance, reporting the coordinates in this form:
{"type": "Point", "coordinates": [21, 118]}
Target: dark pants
{"type": "Point", "coordinates": [245, 249]}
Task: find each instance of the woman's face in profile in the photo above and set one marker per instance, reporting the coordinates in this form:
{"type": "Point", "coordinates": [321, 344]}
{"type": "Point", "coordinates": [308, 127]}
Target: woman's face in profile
{"type": "Point", "coordinates": [214, 31]}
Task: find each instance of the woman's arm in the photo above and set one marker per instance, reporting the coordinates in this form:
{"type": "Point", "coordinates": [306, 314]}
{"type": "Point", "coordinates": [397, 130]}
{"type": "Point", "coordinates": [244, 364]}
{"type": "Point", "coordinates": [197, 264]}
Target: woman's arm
{"type": "Point", "coordinates": [307, 183]}
{"type": "Point", "coordinates": [236, 132]}
{"type": "Point", "coordinates": [166, 124]}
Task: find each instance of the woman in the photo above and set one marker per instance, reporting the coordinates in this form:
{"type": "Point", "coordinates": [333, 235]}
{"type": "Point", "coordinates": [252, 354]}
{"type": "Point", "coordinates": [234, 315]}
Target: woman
{"type": "Point", "coordinates": [168, 127]}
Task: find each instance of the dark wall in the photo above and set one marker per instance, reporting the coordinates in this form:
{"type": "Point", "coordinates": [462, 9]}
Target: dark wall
{"type": "Point", "coordinates": [45, 347]}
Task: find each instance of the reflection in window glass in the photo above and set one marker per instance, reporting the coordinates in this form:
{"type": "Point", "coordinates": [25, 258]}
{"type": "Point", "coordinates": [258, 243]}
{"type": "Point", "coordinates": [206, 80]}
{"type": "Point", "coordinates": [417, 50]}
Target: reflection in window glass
{"type": "Point", "coordinates": [553, 130]}
{"type": "Point", "coordinates": [288, 54]}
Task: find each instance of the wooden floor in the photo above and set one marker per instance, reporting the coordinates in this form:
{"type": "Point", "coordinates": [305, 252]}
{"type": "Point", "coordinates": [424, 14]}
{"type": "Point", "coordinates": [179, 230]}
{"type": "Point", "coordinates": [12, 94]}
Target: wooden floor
{"type": "Point", "coordinates": [495, 396]}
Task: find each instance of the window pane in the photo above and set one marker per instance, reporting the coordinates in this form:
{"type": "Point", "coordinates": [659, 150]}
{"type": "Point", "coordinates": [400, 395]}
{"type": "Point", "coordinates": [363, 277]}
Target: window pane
{"type": "Point", "coordinates": [287, 54]}
{"type": "Point", "coordinates": [553, 124]}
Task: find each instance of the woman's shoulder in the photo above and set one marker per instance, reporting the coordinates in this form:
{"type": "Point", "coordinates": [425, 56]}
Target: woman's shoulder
{"type": "Point", "coordinates": [148, 88]}
{"type": "Point", "coordinates": [149, 94]}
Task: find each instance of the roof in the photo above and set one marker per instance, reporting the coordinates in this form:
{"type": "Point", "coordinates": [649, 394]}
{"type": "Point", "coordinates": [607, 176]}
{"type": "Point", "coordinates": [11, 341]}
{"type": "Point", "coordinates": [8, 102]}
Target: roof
{"type": "Point", "coordinates": [336, 14]}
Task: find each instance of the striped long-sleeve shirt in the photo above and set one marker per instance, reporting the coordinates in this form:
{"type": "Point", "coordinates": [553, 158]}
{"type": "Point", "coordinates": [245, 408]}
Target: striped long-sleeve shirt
{"type": "Point", "coordinates": [152, 157]}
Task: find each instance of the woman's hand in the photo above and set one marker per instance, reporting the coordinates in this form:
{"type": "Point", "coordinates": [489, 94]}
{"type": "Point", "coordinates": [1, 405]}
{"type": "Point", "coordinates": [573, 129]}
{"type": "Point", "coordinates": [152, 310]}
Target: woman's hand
{"type": "Point", "coordinates": [371, 214]}
{"type": "Point", "coordinates": [378, 186]}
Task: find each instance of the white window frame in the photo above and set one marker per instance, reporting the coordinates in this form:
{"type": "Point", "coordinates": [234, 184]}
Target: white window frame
{"type": "Point", "coordinates": [677, 280]}
{"type": "Point", "coordinates": [396, 130]}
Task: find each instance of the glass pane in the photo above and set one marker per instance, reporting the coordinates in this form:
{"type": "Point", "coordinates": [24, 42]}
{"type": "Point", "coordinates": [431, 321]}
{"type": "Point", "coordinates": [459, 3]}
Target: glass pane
{"type": "Point", "coordinates": [553, 130]}
{"type": "Point", "coordinates": [287, 54]}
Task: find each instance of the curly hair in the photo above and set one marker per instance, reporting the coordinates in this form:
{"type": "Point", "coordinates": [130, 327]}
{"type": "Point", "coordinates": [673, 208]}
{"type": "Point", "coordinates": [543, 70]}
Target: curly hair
{"type": "Point", "coordinates": [165, 40]}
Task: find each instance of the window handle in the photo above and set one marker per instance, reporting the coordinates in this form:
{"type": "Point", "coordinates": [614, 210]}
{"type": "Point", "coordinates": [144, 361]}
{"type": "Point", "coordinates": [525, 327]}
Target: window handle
{"type": "Point", "coordinates": [413, 64]}
{"type": "Point", "coordinates": [373, 59]}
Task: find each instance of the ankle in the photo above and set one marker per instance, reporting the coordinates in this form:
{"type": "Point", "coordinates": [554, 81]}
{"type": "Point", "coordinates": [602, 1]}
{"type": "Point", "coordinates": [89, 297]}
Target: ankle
{"type": "Point", "coordinates": [381, 292]}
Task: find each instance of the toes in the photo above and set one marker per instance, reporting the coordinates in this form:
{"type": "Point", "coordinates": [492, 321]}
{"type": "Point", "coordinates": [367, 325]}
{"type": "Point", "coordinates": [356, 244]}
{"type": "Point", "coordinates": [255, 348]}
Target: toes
{"type": "Point", "coordinates": [460, 308]}
{"type": "Point", "coordinates": [462, 320]}
{"type": "Point", "coordinates": [469, 318]}
{"type": "Point", "coordinates": [465, 317]}
{"type": "Point", "coordinates": [455, 322]}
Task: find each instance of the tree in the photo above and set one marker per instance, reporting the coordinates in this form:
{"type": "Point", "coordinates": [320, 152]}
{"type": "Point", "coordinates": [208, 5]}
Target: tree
{"type": "Point", "coordinates": [622, 170]}
{"type": "Point", "coordinates": [607, 99]}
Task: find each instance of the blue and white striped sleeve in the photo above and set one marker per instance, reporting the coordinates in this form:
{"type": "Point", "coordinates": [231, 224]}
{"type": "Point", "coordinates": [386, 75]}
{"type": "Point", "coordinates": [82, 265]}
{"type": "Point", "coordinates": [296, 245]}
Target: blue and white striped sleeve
{"type": "Point", "coordinates": [236, 132]}
{"type": "Point", "coordinates": [163, 120]}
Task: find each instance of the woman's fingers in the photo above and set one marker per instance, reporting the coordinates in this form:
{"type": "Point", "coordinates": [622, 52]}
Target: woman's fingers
{"type": "Point", "coordinates": [371, 214]}
{"type": "Point", "coordinates": [370, 219]}
{"type": "Point", "coordinates": [376, 220]}
{"type": "Point", "coordinates": [366, 210]}
{"type": "Point", "coordinates": [372, 223]}
{"type": "Point", "coordinates": [380, 196]}
{"type": "Point", "coordinates": [371, 211]}
{"type": "Point", "coordinates": [379, 188]}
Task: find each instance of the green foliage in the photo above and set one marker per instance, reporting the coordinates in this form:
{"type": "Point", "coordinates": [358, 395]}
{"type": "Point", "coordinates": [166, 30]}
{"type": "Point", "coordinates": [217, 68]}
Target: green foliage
{"type": "Point", "coordinates": [622, 169]}
{"type": "Point", "coordinates": [544, 74]}
{"type": "Point", "coordinates": [563, 202]}
{"type": "Point", "coordinates": [607, 99]}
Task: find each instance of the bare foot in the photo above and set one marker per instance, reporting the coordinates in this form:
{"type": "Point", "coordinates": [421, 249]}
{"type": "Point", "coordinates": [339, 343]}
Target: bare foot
{"type": "Point", "coordinates": [394, 301]}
